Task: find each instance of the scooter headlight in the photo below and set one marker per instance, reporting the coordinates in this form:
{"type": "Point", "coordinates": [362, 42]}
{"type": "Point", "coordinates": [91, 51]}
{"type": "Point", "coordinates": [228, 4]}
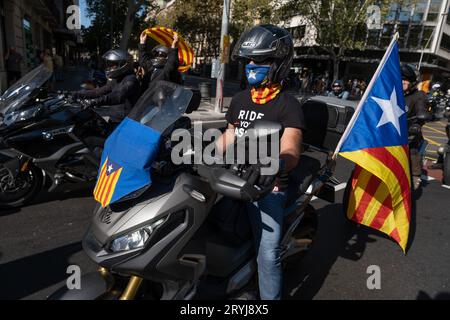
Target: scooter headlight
{"type": "Point", "coordinates": [136, 239]}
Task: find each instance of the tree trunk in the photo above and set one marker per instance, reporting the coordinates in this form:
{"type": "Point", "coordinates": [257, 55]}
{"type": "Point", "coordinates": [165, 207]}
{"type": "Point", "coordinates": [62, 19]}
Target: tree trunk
{"type": "Point", "coordinates": [128, 27]}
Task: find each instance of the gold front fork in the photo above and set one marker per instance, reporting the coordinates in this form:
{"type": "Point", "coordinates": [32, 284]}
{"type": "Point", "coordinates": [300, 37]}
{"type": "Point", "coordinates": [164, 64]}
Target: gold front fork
{"type": "Point", "coordinates": [131, 289]}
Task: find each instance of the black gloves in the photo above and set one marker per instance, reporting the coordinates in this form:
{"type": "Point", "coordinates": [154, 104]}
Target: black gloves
{"type": "Point", "coordinates": [253, 175]}
{"type": "Point", "coordinates": [90, 103]}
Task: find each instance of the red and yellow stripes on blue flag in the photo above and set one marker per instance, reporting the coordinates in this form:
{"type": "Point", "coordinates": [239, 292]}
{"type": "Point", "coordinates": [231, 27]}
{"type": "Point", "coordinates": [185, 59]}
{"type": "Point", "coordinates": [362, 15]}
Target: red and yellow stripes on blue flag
{"type": "Point", "coordinates": [376, 140]}
{"type": "Point", "coordinates": [107, 182]}
{"type": "Point", "coordinates": [165, 37]}
{"type": "Point", "coordinates": [380, 196]}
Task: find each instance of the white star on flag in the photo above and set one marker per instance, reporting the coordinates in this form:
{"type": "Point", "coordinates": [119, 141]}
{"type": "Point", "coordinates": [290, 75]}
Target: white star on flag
{"type": "Point", "coordinates": [391, 111]}
{"type": "Point", "coordinates": [110, 168]}
{"type": "Point", "coordinates": [252, 75]}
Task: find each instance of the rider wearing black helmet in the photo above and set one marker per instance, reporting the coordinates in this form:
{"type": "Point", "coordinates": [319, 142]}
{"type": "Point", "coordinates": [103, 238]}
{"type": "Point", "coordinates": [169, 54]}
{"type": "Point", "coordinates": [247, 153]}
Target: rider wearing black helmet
{"type": "Point", "coordinates": [161, 64]}
{"type": "Point", "coordinates": [120, 93]}
{"type": "Point", "coordinates": [416, 106]}
{"type": "Point", "coordinates": [268, 52]}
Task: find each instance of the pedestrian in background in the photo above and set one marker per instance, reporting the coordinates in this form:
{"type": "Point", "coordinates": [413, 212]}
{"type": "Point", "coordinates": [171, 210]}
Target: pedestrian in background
{"type": "Point", "coordinates": [49, 65]}
{"type": "Point", "coordinates": [59, 64]}
{"type": "Point", "coordinates": [13, 65]}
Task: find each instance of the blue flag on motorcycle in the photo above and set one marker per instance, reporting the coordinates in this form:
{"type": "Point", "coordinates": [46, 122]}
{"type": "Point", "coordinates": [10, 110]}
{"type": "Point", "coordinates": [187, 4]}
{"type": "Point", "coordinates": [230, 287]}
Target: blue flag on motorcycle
{"type": "Point", "coordinates": [126, 161]}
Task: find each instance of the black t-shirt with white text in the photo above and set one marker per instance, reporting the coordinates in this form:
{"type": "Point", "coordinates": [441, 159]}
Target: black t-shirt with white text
{"type": "Point", "coordinates": [285, 109]}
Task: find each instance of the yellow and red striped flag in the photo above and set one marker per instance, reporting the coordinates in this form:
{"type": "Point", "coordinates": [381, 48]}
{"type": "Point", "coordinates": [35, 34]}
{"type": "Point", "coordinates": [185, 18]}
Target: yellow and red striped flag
{"type": "Point", "coordinates": [376, 140]}
{"type": "Point", "coordinates": [106, 182]}
{"type": "Point", "coordinates": [165, 37]}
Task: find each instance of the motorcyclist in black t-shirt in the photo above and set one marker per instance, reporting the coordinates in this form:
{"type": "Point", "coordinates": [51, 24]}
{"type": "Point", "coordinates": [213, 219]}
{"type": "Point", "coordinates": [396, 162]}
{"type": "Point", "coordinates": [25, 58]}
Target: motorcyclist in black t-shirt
{"type": "Point", "coordinates": [116, 99]}
{"type": "Point", "coordinates": [268, 53]}
{"type": "Point", "coordinates": [161, 64]}
{"type": "Point", "coordinates": [416, 106]}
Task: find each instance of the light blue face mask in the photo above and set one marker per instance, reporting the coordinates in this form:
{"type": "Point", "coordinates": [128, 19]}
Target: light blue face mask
{"type": "Point", "coordinates": [256, 74]}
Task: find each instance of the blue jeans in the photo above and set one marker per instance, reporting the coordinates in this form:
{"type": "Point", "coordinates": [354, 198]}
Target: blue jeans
{"type": "Point", "coordinates": [266, 217]}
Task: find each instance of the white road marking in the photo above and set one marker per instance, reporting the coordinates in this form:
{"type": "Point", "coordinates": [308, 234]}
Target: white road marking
{"type": "Point", "coordinates": [446, 186]}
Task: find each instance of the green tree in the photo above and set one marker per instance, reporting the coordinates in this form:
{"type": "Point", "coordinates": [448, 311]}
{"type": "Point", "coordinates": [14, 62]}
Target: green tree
{"type": "Point", "coordinates": [339, 24]}
{"type": "Point", "coordinates": [198, 21]}
{"type": "Point", "coordinates": [247, 13]}
{"type": "Point", "coordinates": [117, 23]}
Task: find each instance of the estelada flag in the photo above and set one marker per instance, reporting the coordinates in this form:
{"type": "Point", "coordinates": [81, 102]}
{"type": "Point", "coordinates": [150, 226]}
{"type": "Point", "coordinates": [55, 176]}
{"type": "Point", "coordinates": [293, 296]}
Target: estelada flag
{"type": "Point", "coordinates": [126, 161]}
{"type": "Point", "coordinates": [165, 37]}
{"type": "Point", "coordinates": [376, 140]}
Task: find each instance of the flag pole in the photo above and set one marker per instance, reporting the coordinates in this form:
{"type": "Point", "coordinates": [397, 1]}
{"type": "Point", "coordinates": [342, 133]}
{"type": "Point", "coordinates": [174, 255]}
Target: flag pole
{"type": "Point", "coordinates": [366, 94]}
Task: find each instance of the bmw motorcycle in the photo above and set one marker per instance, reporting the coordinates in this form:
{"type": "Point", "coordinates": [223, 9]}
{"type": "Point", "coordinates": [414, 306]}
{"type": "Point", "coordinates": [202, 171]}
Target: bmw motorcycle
{"type": "Point", "coordinates": [186, 235]}
{"type": "Point", "coordinates": [46, 140]}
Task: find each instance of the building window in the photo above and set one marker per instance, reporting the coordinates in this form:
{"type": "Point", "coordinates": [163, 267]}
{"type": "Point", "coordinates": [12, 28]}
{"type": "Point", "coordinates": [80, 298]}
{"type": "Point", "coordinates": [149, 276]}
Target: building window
{"type": "Point", "coordinates": [419, 10]}
{"type": "Point", "coordinates": [448, 16]}
{"type": "Point", "coordinates": [445, 42]}
{"type": "Point", "coordinates": [426, 37]}
{"type": "Point", "coordinates": [386, 35]}
{"type": "Point", "coordinates": [391, 16]}
{"type": "Point", "coordinates": [405, 12]}
{"type": "Point", "coordinates": [433, 11]}
{"type": "Point", "coordinates": [403, 33]}
{"type": "Point", "coordinates": [28, 36]}
{"type": "Point", "coordinates": [414, 35]}
{"type": "Point", "coordinates": [372, 38]}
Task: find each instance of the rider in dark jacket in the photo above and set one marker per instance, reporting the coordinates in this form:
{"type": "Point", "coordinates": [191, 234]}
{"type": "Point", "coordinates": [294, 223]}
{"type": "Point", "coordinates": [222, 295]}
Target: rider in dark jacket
{"type": "Point", "coordinates": [416, 106]}
{"type": "Point", "coordinates": [120, 94]}
{"type": "Point", "coordinates": [161, 64]}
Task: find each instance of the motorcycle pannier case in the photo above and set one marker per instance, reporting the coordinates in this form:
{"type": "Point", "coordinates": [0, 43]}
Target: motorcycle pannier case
{"type": "Point", "coordinates": [326, 120]}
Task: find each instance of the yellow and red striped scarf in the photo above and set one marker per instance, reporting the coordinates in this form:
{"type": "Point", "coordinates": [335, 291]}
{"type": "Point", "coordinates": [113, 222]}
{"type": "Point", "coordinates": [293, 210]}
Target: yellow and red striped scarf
{"type": "Point", "coordinates": [264, 94]}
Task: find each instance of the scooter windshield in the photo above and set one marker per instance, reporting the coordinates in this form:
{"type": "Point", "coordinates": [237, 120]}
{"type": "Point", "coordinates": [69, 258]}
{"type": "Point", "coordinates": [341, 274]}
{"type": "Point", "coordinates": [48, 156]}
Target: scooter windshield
{"type": "Point", "coordinates": [133, 146]}
{"type": "Point", "coordinates": [13, 98]}
{"type": "Point", "coordinates": [161, 105]}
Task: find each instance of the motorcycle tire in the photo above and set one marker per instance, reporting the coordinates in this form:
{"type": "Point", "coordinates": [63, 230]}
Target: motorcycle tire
{"type": "Point", "coordinates": [446, 177]}
{"type": "Point", "coordinates": [18, 196]}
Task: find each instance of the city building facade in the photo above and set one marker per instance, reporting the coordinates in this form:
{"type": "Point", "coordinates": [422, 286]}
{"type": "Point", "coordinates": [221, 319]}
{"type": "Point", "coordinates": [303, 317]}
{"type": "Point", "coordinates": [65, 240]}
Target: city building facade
{"type": "Point", "coordinates": [31, 26]}
{"type": "Point", "coordinates": [424, 29]}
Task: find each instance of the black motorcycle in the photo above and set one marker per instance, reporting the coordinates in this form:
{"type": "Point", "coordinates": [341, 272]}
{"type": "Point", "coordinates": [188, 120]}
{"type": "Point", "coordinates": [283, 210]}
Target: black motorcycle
{"type": "Point", "coordinates": [46, 140]}
{"type": "Point", "coordinates": [437, 103]}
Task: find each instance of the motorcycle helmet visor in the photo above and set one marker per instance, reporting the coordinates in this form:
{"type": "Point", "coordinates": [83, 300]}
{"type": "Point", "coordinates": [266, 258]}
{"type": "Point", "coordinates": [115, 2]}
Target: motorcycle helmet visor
{"type": "Point", "coordinates": [113, 65]}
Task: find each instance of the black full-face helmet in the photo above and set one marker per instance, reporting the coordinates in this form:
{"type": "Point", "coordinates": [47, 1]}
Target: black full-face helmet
{"type": "Point", "coordinates": [118, 62]}
{"type": "Point", "coordinates": [160, 56]}
{"type": "Point", "coordinates": [409, 73]}
{"type": "Point", "coordinates": [267, 44]}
